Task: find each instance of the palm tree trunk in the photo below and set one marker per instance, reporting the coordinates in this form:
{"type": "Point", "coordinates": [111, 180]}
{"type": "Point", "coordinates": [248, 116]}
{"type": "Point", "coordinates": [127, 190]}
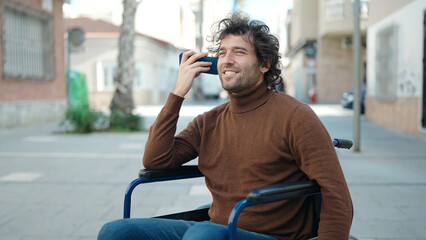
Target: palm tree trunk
{"type": "Point", "coordinates": [123, 96]}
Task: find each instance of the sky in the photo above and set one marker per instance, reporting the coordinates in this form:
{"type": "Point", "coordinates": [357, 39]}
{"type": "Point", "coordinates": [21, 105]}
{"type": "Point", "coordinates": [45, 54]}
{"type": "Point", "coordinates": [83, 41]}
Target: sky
{"type": "Point", "coordinates": [267, 11]}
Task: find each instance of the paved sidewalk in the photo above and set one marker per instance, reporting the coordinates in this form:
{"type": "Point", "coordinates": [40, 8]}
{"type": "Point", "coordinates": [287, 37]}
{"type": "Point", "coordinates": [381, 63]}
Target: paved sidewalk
{"type": "Point", "coordinates": [65, 186]}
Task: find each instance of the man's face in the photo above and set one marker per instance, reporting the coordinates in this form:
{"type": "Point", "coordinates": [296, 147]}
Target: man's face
{"type": "Point", "coordinates": [238, 66]}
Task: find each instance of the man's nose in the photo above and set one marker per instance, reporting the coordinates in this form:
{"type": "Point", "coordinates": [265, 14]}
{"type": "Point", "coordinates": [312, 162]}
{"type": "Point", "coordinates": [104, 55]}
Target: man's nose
{"type": "Point", "coordinates": [228, 58]}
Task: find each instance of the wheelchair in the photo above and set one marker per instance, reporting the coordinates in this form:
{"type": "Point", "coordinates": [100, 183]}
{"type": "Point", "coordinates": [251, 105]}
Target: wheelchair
{"type": "Point", "coordinates": [264, 195]}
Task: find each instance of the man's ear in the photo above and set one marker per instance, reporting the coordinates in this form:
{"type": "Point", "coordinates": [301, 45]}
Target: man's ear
{"type": "Point", "coordinates": [265, 67]}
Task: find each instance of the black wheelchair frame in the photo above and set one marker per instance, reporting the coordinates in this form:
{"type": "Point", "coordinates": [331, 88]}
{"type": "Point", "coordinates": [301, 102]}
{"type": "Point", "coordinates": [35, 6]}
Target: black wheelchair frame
{"type": "Point", "coordinates": [268, 194]}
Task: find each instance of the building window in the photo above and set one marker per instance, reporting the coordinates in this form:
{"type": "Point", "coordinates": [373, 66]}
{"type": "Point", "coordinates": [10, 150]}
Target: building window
{"type": "Point", "coordinates": [108, 71]}
{"type": "Point", "coordinates": [145, 76]}
{"type": "Point", "coordinates": [334, 10]}
{"type": "Point", "coordinates": [28, 49]}
{"type": "Point", "coordinates": [386, 64]}
{"type": "Point", "coordinates": [137, 82]}
{"type": "Point", "coordinates": [364, 8]}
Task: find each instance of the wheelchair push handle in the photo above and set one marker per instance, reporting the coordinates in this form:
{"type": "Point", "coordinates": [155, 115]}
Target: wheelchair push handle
{"type": "Point", "coordinates": [342, 143]}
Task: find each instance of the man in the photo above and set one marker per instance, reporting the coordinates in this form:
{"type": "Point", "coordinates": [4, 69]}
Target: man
{"type": "Point", "coordinates": [260, 137]}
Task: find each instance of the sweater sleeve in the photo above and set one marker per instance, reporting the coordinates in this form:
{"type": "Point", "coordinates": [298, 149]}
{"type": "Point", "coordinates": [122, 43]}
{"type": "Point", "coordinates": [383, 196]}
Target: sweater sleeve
{"type": "Point", "coordinates": [317, 158]}
{"type": "Point", "coordinates": [162, 149]}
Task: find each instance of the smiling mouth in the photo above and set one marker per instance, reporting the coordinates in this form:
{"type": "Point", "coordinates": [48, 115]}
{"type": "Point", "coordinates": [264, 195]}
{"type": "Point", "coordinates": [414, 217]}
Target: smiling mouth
{"type": "Point", "coordinates": [229, 72]}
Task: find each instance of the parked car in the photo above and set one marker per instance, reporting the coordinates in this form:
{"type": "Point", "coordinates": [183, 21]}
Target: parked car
{"type": "Point", "coordinates": [347, 100]}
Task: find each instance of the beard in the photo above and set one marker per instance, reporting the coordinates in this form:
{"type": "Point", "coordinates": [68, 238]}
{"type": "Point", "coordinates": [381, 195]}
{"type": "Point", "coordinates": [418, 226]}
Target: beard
{"type": "Point", "coordinates": [247, 78]}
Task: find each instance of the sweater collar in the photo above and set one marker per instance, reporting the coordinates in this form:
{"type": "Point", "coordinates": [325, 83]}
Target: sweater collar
{"type": "Point", "coordinates": [250, 100]}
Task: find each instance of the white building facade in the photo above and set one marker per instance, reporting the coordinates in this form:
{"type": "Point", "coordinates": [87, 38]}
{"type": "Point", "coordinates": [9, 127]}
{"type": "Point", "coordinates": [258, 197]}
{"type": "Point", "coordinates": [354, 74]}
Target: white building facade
{"type": "Point", "coordinates": [395, 69]}
{"type": "Point", "coordinates": [156, 64]}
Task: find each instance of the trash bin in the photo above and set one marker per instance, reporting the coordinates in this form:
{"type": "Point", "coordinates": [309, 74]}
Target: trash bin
{"type": "Point", "coordinates": [78, 96]}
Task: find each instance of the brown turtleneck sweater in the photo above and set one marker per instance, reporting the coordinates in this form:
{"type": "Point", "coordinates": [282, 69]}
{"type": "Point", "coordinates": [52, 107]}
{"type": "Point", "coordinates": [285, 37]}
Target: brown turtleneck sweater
{"type": "Point", "coordinates": [261, 138]}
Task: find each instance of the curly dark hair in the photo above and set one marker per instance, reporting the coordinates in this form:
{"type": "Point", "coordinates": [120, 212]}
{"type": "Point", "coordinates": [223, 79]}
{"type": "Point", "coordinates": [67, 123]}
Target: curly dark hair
{"type": "Point", "coordinates": [265, 44]}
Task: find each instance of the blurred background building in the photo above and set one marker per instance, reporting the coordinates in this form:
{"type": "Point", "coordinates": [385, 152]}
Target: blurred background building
{"type": "Point", "coordinates": [32, 79]}
{"type": "Point", "coordinates": [163, 30]}
{"type": "Point", "coordinates": [155, 63]}
{"type": "Point", "coordinates": [316, 43]}
{"type": "Point", "coordinates": [320, 69]}
{"type": "Point", "coordinates": [396, 80]}
{"type": "Point", "coordinates": [320, 48]}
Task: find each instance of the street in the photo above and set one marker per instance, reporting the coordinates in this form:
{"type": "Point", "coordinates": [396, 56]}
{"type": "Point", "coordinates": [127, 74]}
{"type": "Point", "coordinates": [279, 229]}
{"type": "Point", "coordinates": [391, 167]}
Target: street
{"type": "Point", "coordinates": [66, 186]}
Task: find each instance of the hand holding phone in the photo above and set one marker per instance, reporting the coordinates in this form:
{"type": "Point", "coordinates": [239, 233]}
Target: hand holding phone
{"type": "Point", "coordinates": [213, 60]}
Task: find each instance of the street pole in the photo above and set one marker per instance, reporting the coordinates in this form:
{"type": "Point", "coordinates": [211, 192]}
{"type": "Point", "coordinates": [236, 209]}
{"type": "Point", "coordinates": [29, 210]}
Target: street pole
{"type": "Point", "coordinates": [197, 85]}
{"type": "Point", "coordinates": [200, 29]}
{"type": "Point", "coordinates": [68, 71]}
{"type": "Point", "coordinates": [76, 39]}
{"type": "Point", "coordinates": [357, 81]}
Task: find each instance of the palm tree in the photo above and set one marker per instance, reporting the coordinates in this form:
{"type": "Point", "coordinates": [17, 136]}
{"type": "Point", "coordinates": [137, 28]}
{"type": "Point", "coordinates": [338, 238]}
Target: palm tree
{"type": "Point", "coordinates": [123, 97]}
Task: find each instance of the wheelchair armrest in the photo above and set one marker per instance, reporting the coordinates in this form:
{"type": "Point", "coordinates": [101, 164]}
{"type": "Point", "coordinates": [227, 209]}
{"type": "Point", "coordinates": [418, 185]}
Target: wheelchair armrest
{"type": "Point", "coordinates": [147, 176]}
{"type": "Point", "coordinates": [172, 172]}
{"type": "Point", "coordinates": [272, 193]}
{"type": "Point", "coordinates": [283, 191]}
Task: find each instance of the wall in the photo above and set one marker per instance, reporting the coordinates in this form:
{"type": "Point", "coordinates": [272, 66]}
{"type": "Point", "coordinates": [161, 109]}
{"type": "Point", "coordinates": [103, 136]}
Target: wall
{"type": "Point", "coordinates": [304, 21]}
{"type": "Point", "coordinates": [380, 9]}
{"type": "Point", "coordinates": [29, 89]}
{"type": "Point", "coordinates": [338, 27]}
{"type": "Point", "coordinates": [335, 70]}
{"type": "Point", "coordinates": [28, 101]}
{"type": "Point", "coordinates": [405, 112]}
{"type": "Point", "coordinates": [27, 113]}
{"type": "Point", "coordinates": [401, 114]}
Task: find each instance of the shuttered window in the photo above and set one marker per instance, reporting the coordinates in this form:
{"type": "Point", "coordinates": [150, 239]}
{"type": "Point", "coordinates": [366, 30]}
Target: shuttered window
{"type": "Point", "coordinates": [28, 49]}
{"type": "Point", "coordinates": [386, 63]}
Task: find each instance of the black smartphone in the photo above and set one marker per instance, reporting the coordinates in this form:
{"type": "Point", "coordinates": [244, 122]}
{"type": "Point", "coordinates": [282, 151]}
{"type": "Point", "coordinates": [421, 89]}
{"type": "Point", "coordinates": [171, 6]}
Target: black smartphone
{"type": "Point", "coordinates": [213, 60]}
